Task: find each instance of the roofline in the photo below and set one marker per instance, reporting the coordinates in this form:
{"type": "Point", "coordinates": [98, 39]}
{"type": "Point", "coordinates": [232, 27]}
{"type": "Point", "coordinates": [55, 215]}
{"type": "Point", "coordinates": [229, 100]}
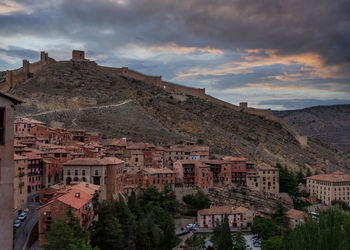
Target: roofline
{"type": "Point", "coordinates": [14, 99]}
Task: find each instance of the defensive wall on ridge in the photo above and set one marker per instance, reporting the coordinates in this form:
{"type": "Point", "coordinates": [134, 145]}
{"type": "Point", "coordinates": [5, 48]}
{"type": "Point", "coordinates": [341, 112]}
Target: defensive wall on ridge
{"type": "Point", "coordinates": [200, 93]}
{"type": "Point", "coordinates": [13, 77]}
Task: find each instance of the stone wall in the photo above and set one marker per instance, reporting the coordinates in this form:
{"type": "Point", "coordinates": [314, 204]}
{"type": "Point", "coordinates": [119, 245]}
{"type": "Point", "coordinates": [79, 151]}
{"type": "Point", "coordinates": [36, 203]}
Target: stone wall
{"type": "Point", "coordinates": [13, 77]}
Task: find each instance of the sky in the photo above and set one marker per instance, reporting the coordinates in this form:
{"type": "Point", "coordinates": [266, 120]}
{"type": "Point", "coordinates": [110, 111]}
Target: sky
{"type": "Point", "coordinates": [278, 54]}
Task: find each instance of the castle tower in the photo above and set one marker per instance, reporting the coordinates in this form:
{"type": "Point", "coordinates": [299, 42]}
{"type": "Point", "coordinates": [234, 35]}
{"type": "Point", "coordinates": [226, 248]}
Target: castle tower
{"type": "Point", "coordinates": [9, 78]}
{"type": "Point", "coordinates": [243, 105]}
{"type": "Point", "coordinates": [78, 55]}
{"type": "Point", "coordinates": [25, 68]}
{"type": "Point", "coordinates": [44, 56]}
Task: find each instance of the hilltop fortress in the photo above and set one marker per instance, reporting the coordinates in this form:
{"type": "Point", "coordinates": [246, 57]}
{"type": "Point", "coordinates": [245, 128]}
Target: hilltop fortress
{"type": "Point", "coordinates": [13, 77]}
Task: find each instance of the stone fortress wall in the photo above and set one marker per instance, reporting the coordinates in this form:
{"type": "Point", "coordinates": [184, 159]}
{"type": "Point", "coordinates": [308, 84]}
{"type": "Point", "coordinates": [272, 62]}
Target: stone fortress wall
{"type": "Point", "coordinates": [15, 76]}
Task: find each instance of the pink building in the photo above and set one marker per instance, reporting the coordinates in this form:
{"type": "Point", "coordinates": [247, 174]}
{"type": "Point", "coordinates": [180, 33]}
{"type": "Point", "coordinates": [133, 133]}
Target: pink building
{"type": "Point", "coordinates": [24, 125]}
{"type": "Point", "coordinates": [237, 217]}
{"type": "Point", "coordinates": [7, 103]}
{"type": "Point", "coordinates": [80, 201]}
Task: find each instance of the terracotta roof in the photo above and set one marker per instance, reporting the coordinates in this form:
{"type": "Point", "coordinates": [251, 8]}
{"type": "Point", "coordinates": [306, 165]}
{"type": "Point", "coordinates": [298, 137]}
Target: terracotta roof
{"type": "Point", "coordinates": [159, 171]}
{"type": "Point", "coordinates": [93, 161]}
{"type": "Point", "coordinates": [333, 177]}
{"type": "Point", "coordinates": [295, 214]}
{"type": "Point", "coordinates": [28, 120]}
{"type": "Point", "coordinates": [231, 158]}
{"type": "Point", "coordinates": [19, 157]}
{"type": "Point", "coordinates": [266, 167]}
{"type": "Point", "coordinates": [222, 210]}
{"type": "Point", "coordinates": [86, 187]}
{"type": "Point", "coordinates": [32, 156]}
{"type": "Point", "coordinates": [12, 98]}
{"type": "Point", "coordinates": [70, 198]}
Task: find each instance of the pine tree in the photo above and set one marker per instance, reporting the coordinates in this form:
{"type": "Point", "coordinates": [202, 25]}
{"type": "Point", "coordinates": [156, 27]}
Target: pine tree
{"type": "Point", "coordinates": [107, 230]}
{"type": "Point", "coordinates": [239, 241]}
{"type": "Point", "coordinates": [60, 236]}
{"type": "Point", "coordinates": [127, 221]}
{"type": "Point", "coordinates": [222, 238]}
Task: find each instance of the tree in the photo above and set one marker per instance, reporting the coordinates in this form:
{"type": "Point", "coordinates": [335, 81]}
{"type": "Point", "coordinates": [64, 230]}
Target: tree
{"type": "Point", "coordinates": [239, 241]}
{"type": "Point", "coordinates": [222, 238]}
{"type": "Point", "coordinates": [67, 234]}
{"type": "Point", "coordinates": [107, 230]}
{"type": "Point", "coordinates": [300, 177]}
{"type": "Point", "coordinates": [127, 221]}
{"type": "Point", "coordinates": [198, 201]}
{"type": "Point", "coordinates": [279, 214]}
{"type": "Point", "coordinates": [288, 183]}
{"type": "Point", "coordinates": [264, 227]}
{"type": "Point", "coordinates": [331, 231]}
{"type": "Point", "coordinates": [60, 236]}
{"type": "Point", "coordinates": [341, 204]}
{"type": "Point", "coordinates": [168, 199]}
{"type": "Point", "coordinates": [273, 243]}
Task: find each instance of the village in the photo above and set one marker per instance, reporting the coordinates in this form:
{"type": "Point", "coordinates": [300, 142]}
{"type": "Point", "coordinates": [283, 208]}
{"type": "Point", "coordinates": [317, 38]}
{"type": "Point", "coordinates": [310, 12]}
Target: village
{"type": "Point", "coordinates": [64, 168]}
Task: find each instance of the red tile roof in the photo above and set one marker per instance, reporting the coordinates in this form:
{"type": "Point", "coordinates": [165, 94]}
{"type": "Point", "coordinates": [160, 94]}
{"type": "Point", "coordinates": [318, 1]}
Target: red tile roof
{"type": "Point", "coordinates": [333, 177]}
{"type": "Point", "coordinates": [71, 198]}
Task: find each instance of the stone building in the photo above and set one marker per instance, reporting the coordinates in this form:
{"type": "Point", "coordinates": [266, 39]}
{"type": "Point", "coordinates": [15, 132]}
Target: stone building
{"type": "Point", "coordinates": [7, 103]}
{"type": "Point", "coordinates": [35, 169]}
{"type": "Point", "coordinates": [264, 178]}
{"type": "Point", "coordinates": [185, 152]}
{"type": "Point", "coordinates": [237, 217]}
{"type": "Point", "coordinates": [80, 201]}
{"type": "Point", "coordinates": [107, 172]}
{"type": "Point", "coordinates": [295, 218]}
{"type": "Point", "coordinates": [141, 179]}
{"type": "Point", "coordinates": [20, 183]}
{"type": "Point", "coordinates": [329, 187]}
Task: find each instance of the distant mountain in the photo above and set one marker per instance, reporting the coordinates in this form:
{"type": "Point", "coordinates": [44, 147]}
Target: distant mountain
{"type": "Point", "coordinates": [81, 95]}
{"type": "Point", "coordinates": [330, 124]}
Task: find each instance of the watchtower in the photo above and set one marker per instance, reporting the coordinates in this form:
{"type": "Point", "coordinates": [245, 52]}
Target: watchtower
{"type": "Point", "coordinates": [78, 55]}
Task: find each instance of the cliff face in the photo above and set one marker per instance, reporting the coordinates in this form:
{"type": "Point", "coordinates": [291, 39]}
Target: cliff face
{"type": "Point", "coordinates": [330, 124]}
{"type": "Point", "coordinates": [261, 203]}
{"type": "Point", "coordinates": [81, 95]}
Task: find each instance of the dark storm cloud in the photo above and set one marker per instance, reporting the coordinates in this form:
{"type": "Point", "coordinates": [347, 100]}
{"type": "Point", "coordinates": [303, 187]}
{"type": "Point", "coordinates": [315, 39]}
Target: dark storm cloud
{"type": "Point", "coordinates": [19, 52]}
{"type": "Point", "coordinates": [320, 26]}
{"type": "Point", "coordinates": [303, 103]}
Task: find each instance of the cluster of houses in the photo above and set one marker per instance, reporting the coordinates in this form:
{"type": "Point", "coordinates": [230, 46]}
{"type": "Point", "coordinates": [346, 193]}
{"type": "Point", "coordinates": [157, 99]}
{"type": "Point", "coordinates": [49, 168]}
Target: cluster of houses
{"type": "Point", "coordinates": [45, 156]}
{"type": "Point", "coordinates": [75, 168]}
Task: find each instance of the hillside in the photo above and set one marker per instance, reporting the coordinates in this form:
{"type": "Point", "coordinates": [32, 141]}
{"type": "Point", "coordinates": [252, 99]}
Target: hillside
{"type": "Point", "coordinates": [330, 124]}
{"type": "Point", "coordinates": [81, 95]}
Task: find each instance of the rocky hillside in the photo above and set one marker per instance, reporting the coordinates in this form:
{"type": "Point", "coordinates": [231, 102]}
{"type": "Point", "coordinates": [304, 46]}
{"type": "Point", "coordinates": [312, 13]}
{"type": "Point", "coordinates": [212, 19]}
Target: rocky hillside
{"type": "Point", "coordinates": [330, 124]}
{"type": "Point", "coordinates": [81, 95]}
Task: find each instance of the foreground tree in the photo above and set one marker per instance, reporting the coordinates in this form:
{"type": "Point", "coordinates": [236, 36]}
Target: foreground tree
{"type": "Point", "coordinates": [330, 232]}
{"type": "Point", "coordinates": [239, 241]}
{"type": "Point", "coordinates": [222, 238]}
{"type": "Point", "coordinates": [67, 234]}
{"type": "Point", "coordinates": [107, 233]}
{"type": "Point", "coordinates": [273, 243]}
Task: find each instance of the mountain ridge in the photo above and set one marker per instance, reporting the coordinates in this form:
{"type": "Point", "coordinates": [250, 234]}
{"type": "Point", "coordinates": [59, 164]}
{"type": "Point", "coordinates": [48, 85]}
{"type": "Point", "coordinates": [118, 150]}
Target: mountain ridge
{"type": "Point", "coordinates": [66, 88]}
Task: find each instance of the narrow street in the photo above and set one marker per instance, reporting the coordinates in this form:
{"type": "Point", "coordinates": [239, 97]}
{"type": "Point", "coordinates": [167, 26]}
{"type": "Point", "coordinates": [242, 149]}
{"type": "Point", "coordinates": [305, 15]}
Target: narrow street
{"type": "Point", "coordinates": [27, 225]}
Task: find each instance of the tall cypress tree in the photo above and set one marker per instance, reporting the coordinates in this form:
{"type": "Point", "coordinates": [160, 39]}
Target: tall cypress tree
{"type": "Point", "coordinates": [107, 230]}
{"type": "Point", "coordinates": [222, 237]}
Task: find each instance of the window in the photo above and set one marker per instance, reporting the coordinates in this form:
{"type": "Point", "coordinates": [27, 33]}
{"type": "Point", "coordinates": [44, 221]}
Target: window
{"type": "Point", "coordinates": [76, 171]}
{"type": "Point", "coordinates": [96, 172]}
{"type": "Point", "coordinates": [83, 172]}
{"type": "Point", "coordinates": [57, 155]}
{"type": "Point", "coordinates": [68, 171]}
{"type": "Point", "coordinates": [2, 126]}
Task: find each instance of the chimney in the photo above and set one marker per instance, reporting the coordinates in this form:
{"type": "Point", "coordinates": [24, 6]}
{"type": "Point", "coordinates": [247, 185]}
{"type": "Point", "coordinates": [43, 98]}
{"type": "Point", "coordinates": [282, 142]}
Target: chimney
{"type": "Point", "coordinates": [77, 194]}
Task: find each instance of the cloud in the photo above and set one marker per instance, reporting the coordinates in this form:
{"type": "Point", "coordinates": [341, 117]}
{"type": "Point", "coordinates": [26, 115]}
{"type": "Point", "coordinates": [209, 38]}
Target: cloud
{"type": "Point", "coordinates": [221, 45]}
{"type": "Point", "coordinates": [302, 103]}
